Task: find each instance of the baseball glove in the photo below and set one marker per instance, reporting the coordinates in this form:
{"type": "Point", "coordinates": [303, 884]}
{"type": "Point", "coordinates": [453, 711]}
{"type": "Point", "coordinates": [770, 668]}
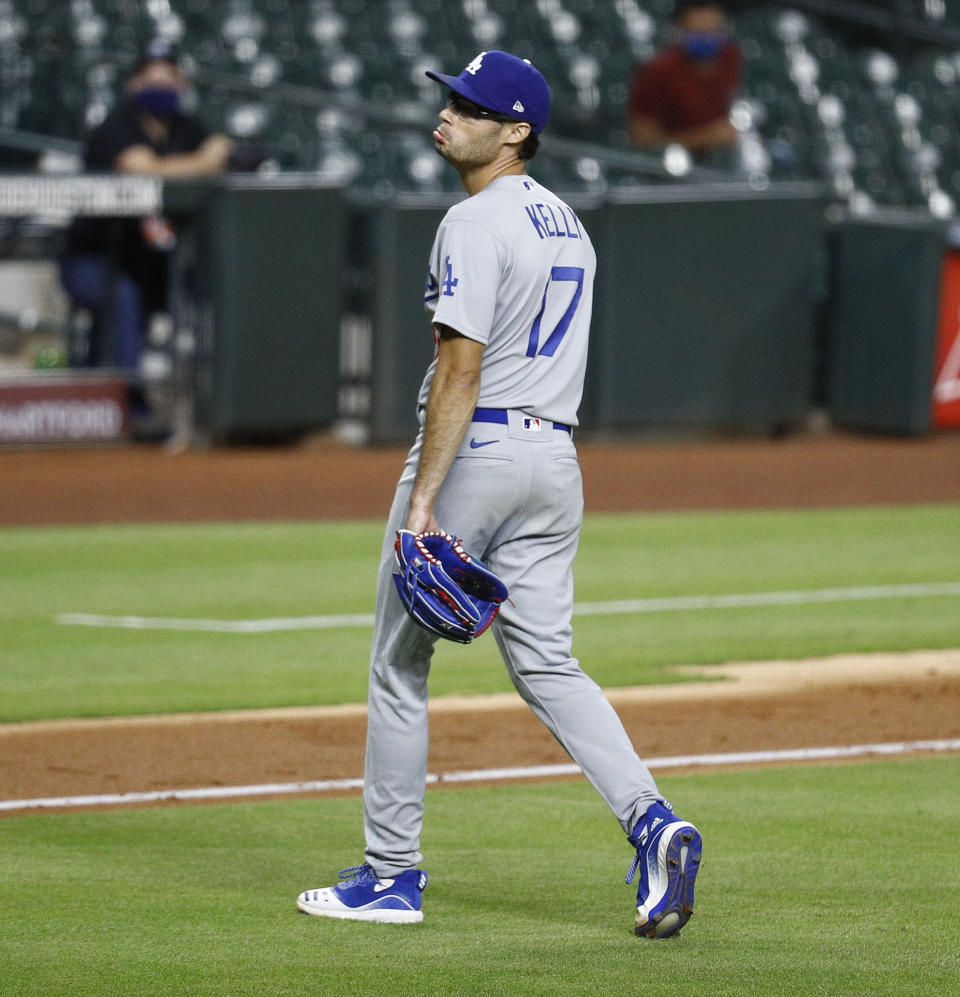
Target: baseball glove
{"type": "Point", "coordinates": [445, 589]}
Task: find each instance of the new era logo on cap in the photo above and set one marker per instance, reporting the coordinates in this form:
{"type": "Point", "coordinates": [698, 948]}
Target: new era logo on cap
{"type": "Point", "coordinates": [503, 83]}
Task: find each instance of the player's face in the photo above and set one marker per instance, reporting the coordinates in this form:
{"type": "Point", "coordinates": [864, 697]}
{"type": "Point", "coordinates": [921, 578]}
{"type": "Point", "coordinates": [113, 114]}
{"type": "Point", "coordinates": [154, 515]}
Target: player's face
{"type": "Point", "coordinates": [468, 135]}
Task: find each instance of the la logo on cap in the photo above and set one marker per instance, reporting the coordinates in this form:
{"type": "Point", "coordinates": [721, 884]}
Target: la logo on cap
{"type": "Point", "coordinates": [474, 66]}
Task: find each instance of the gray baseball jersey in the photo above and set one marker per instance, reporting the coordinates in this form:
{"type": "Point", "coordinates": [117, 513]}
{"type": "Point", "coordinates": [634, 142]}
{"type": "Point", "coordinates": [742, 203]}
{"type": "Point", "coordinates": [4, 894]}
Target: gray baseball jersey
{"type": "Point", "coordinates": [512, 267]}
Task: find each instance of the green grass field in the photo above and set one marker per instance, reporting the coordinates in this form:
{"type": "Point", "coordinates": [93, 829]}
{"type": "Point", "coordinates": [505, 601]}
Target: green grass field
{"type": "Point", "coordinates": [815, 880]}
{"type": "Point", "coordinates": [244, 571]}
{"type": "Point", "coordinates": [832, 879]}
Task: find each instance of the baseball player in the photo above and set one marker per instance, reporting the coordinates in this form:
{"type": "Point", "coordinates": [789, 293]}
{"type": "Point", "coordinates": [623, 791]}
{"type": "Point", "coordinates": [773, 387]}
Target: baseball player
{"type": "Point", "coordinates": [509, 286]}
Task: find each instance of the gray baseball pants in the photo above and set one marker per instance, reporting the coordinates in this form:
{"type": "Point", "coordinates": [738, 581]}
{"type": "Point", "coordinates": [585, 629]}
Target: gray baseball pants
{"type": "Point", "coordinates": [517, 503]}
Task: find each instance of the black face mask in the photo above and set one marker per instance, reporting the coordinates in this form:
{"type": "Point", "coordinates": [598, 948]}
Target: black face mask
{"type": "Point", "coordinates": [159, 102]}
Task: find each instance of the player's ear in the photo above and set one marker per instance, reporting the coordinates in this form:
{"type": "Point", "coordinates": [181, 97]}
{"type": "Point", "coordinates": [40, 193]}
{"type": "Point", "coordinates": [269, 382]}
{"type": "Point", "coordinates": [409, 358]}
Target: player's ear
{"type": "Point", "coordinates": [517, 135]}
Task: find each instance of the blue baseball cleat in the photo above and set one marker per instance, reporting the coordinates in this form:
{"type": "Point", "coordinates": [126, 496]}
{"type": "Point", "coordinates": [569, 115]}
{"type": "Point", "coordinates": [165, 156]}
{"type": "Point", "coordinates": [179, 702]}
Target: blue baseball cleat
{"type": "Point", "coordinates": [668, 857]}
{"type": "Point", "coordinates": [361, 896]}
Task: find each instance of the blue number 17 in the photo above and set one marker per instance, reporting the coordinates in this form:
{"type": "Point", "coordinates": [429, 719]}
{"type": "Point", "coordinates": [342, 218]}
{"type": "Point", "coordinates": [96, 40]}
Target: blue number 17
{"type": "Point", "coordinates": [553, 340]}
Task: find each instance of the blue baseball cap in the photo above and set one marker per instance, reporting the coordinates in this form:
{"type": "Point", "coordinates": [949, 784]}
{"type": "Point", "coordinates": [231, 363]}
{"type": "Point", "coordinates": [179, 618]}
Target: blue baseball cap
{"type": "Point", "coordinates": [501, 82]}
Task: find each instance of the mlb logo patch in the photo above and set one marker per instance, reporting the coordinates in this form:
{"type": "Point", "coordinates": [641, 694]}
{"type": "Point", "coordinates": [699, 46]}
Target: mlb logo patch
{"type": "Point", "coordinates": [531, 425]}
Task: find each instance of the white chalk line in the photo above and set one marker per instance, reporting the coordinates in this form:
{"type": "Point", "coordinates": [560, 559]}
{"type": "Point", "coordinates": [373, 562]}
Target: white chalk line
{"type": "Point", "coordinates": [685, 603]}
{"type": "Point", "coordinates": [270, 625]}
{"type": "Point", "coordinates": [208, 793]}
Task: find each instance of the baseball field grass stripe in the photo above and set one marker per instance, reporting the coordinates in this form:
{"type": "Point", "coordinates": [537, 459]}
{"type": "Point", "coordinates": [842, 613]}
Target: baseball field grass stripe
{"type": "Point", "coordinates": [269, 625]}
{"type": "Point", "coordinates": [618, 607]}
{"type": "Point", "coordinates": [318, 575]}
{"type": "Point", "coordinates": [745, 600]}
{"type": "Point", "coordinates": [213, 793]}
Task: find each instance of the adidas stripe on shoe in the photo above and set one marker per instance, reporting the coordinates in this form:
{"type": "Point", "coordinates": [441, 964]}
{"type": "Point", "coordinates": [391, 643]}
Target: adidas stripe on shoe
{"type": "Point", "coordinates": [362, 896]}
{"type": "Point", "coordinates": [668, 859]}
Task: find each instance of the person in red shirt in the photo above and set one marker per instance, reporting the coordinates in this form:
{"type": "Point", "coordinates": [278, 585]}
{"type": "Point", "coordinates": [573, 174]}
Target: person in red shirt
{"type": "Point", "coordinates": [683, 94]}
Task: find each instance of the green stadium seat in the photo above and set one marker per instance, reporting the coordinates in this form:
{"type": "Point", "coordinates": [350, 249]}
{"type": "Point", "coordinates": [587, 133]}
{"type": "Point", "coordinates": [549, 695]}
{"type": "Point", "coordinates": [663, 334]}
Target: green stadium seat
{"type": "Point", "coordinates": [376, 52]}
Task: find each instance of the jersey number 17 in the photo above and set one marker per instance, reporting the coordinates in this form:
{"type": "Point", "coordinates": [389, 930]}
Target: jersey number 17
{"type": "Point", "coordinates": [574, 275]}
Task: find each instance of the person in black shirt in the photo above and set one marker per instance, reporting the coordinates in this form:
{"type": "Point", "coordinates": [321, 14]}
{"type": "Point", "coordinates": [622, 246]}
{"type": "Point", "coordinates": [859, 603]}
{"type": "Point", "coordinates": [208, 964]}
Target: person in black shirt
{"type": "Point", "coordinates": [146, 133]}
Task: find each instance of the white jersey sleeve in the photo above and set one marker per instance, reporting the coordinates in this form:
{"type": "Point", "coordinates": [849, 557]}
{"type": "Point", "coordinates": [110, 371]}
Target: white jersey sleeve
{"type": "Point", "coordinates": [467, 262]}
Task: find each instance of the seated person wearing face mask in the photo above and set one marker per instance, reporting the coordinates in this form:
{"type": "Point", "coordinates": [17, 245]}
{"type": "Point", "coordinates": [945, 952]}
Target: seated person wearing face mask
{"type": "Point", "coordinates": [683, 93]}
{"type": "Point", "coordinates": [118, 267]}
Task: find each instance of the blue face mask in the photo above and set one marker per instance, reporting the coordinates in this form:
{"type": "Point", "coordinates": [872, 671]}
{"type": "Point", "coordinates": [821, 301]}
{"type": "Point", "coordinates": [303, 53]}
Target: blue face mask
{"type": "Point", "coordinates": [701, 45]}
{"type": "Point", "coordinates": [159, 103]}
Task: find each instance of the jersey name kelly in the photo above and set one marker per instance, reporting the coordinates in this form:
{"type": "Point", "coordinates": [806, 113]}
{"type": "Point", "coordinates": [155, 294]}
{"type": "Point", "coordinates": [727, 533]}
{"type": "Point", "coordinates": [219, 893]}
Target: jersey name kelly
{"type": "Point", "coordinates": [548, 225]}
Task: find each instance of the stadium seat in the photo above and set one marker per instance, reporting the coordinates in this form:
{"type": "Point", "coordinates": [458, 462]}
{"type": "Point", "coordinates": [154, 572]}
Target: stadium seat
{"type": "Point", "coordinates": [824, 109]}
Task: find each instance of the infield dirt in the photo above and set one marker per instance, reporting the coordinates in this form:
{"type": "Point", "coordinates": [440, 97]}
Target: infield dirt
{"type": "Point", "coordinates": [839, 701]}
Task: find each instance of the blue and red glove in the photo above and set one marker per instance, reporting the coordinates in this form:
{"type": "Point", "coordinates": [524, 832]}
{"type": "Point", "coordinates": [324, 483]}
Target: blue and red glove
{"type": "Point", "coordinates": [443, 588]}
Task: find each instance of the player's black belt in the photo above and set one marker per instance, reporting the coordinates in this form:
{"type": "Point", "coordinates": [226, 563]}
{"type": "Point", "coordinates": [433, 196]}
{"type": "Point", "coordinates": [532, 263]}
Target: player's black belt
{"type": "Point", "coordinates": [501, 416]}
